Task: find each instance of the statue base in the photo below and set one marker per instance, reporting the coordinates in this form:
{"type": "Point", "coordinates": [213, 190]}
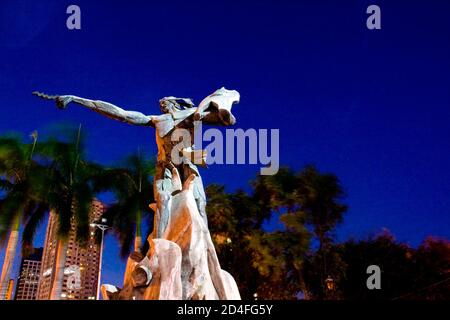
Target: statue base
{"type": "Point", "coordinates": [182, 265]}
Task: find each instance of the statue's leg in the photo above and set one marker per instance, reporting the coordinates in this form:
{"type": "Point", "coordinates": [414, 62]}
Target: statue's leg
{"type": "Point", "coordinates": [162, 188]}
{"type": "Point", "coordinates": [214, 269]}
{"type": "Point", "coordinates": [200, 198]}
{"type": "Point", "coordinates": [176, 181]}
{"type": "Point", "coordinates": [194, 182]}
{"type": "Point", "coordinates": [163, 213]}
{"type": "Point", "coordinates": [198, 190]}
{"type": "Point", "coordinates": [231, 287]}
{"type": "Point", "coordinates": [201, 205]}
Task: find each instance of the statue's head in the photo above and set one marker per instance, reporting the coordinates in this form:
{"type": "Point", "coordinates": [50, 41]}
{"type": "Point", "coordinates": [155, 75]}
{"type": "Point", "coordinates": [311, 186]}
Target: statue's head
{"type": "Point", "coordinates": [172, 104]}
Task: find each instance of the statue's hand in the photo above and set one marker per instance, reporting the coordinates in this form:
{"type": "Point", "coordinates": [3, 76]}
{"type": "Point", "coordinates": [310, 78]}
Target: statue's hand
{"type": "Point", "coordinates": [63, 101]}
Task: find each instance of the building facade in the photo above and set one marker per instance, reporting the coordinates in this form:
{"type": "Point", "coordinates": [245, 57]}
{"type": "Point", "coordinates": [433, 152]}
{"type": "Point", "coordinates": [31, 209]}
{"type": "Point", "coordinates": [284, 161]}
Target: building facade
{"type": "Point", "coordinates": [29, 273]}
{"type": "Point", "coordinates": [9, 290]}
{"type": "Point", "coordinates": [81, 265]}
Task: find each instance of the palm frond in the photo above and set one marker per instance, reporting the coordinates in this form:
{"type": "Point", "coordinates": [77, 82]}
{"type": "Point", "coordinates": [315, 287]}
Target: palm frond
{"type": "Point", "coordinates": [31, 226]}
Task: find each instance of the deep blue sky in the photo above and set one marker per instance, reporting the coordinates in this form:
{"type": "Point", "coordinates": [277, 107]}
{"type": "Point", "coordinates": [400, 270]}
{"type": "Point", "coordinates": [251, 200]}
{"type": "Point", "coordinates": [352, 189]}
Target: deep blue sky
{"type": "Point", "coordinates": [371, 106]}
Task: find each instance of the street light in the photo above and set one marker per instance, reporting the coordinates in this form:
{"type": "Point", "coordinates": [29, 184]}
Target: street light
{"type": "Point", "coordinates": [329, 282]}
{"type": "Point", "coordinates": [102, 226]}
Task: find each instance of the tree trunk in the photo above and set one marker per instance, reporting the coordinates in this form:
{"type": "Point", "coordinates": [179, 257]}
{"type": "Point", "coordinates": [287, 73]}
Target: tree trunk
{"type": "Point", "coordinates": [8, 263]}
{"type": "Point", "coordinates": [59, 270]}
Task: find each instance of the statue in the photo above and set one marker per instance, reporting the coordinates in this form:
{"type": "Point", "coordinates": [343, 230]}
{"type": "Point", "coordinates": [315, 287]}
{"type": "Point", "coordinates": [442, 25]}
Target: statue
{"type": "Point", "coordinates": [182, 262]}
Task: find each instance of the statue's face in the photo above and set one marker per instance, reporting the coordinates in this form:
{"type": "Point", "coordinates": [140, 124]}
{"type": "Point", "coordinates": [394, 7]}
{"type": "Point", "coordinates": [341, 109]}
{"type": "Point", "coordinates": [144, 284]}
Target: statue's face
{"type": "Point", "coordinates": [167, 106]}
{"type": "Point", "coordinates": [172, 104]}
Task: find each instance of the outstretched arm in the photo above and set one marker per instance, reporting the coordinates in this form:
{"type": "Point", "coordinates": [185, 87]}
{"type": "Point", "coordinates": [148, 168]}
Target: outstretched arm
{"type": "Point", "coordinates": [104, 108]}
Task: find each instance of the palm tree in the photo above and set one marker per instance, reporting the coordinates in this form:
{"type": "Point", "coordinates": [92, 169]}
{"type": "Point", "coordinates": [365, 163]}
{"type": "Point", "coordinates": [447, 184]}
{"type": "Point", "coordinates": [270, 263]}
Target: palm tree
{"type": "Point", "coordinates": [69, 194]}
{"type": "Point", "coordinates": [20, 202]}
{"type": "Point", "coordinates": [279, 193]}
{"type": "Point", "coordinates": [320, 196]}
{"type": "Point", "coordinates": [221, 215]}
{"type": "Point", "coordinates": [133, 189]}
{"type": "Point", "coordinates": [308, 198]}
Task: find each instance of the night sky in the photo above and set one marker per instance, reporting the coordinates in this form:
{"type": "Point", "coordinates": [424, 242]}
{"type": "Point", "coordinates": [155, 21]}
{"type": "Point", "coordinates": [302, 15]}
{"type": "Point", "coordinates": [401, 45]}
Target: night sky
{"type": "Point", "coordinates": [371, 106]}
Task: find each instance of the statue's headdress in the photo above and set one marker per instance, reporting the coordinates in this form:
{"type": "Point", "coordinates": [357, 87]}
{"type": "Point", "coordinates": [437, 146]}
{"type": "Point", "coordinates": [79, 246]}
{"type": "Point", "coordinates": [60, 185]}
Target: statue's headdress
{"type": "Point", "coordinates": [174, 102]}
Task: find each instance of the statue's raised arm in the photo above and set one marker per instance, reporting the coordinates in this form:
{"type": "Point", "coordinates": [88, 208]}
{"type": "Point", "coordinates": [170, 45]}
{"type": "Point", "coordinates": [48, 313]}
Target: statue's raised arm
{"type": "Point", "coordinates": [216, 108]}
{"type": "Point", "coordinates": [102, 107]}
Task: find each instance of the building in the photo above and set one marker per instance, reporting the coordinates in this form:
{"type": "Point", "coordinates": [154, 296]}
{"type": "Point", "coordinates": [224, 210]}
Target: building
{"type": "Point", "coordinates": [81, 265]}
{"type": "Point", "coordinates": [9, 290]}
{"type": "Point", "coordinates": [29, 273]}
{"type": "Point", "coordinates": [8, 263]}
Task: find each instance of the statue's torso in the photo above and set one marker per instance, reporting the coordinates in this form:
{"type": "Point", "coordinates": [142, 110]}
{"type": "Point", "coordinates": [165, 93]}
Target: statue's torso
{"type": "Point", "coordinates": [166, 145]}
